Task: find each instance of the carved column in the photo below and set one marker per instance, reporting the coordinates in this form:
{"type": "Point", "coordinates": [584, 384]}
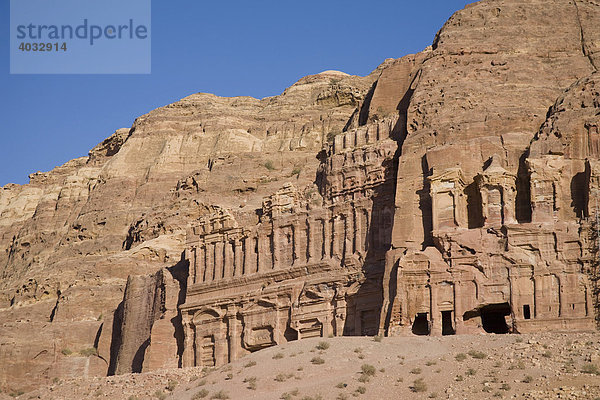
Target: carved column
{"type": "Point", "coordinates": [210, 262]}
{"type": "Point", "coordinates": [238, 264]}
{"type": "Point", "coordinates": [200, 263]}
{"type": "Point", "coordinates": [219, 262]}
{"type": "Point", "coordinates": [192, 256]}
{"type": "Point", "coordinates": [227, 259]}
{"type": "Point", "coordinates": [436, 315]}
{"type": "Point", "coordinates": [188, 357]}
{"type": "Point", "coordinates": [250, 256]}
{"type": "Point", "coordinates": [310, 241]}
{"type": "Point", "coordinates": [458, 308]}
{"type": "Point", "coordinates": [233, 333]}
{"type": "Point", "coordinates": [349, 235]}
{"type": "Point", "coordinates": [327, 236]}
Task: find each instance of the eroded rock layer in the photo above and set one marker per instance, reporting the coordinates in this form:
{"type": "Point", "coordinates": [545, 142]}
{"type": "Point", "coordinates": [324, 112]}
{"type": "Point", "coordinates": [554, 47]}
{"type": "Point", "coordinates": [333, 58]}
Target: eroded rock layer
{"type": "Point", "coordinates": [451, 191]}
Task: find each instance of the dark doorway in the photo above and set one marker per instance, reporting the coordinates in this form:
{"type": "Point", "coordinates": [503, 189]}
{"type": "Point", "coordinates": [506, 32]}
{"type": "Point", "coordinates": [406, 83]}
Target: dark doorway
{"type": "Point", "coordinates": [421, 324]}
{"type": "Point", "coordinates": [526, 311]}
{"type": "Point", "coordinates": [447, 328]}
{"type": "Point", "coordinates": [493, 318]}
{"type": "Point", "coordinates": [290, 334]}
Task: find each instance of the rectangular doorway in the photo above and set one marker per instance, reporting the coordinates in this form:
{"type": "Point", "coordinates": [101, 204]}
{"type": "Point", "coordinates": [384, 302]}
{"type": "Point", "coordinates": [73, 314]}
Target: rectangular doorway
{"type": "Point", "coordinates": [447, 326]}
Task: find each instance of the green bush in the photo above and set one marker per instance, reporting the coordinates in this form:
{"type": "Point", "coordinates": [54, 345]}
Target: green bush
{"type": "Point", "coordinates": [269, 165]}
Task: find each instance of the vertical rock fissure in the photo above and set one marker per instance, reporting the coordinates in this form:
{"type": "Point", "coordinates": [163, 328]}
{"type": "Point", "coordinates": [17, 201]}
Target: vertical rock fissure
{"type": "Point", "coordinates": [582, 36]}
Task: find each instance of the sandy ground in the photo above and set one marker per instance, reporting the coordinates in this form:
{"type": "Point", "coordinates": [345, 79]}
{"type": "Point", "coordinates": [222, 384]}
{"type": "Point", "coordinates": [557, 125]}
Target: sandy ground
{"type": "Point", "coordinates": [540, 366]}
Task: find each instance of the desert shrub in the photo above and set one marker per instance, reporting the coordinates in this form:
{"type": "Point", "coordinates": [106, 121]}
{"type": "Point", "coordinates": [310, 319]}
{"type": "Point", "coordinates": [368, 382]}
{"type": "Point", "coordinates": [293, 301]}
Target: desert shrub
{"type": "Point", "coordinates": [419, 386]}
{"type": "Point", "coordinates": [430, 363]}
{"type": "Point", "coordinates": [283, 377]}
{"type": "Point", "coordinates": [528, 379]}
{"type": "Point", "coordinates": [432, 395]}
{"type": "Point", "coordinates": [250, 364]}
{"type": "Point", "coordinates": [88, 352]}
{"type": "Point", "coordinates": [66, 351]}
{"type": "Point", "coordinates": [368, 369]}
{"type": "Point", "coordinates": [459, 378]}
{"type": "Point", "coordinates": [363, 378]}
{"type": "Point", "coordinates": [278, 356]}
{"type": "Point", "coordinates": [316, 397]}
{"type": "Point", "coordinates": [361, 390]}
{"type": "Point", "coordinates": [590, 368]}
{"type": "Point", "coordinates": [505, 386]}
{"type": "Point", "coordinates": [171, 385]}
{"type": "Point", "coordinates": [317, 361]}
{"type": "Point", "coordinates": [547, 354]}
{"type": "Point", "coordinates": [460, 357]}
{"type": "Point", "coordinates": [416, 371]}
{"type": "Point", "coordinates": [290, 395]}
{"type": "Point", "coordinates": [470, 372]}
{"type": "Point", "coordinates": [377, 338]}
{"type": "Point", "coordinates": [251, 381]}
{"type": "Point", "coordinates": [341, 385]}
{"type": "Point", "coordinates": [477, 354]}
{"type": "Point", "coordinates": [160, 395]}
{"type": "Point", "coordinates": [269, 165]}
{"type": "Point", "coordinates": [323, 346]}
{"type": "Point", "coordinates": [296, 170]}
{"type": "Point", "coordinates": [202, 382]}
{"type": "Point", "coordinates": [220, 395]}
{"type": "Point", "coordinates": [200, 395]}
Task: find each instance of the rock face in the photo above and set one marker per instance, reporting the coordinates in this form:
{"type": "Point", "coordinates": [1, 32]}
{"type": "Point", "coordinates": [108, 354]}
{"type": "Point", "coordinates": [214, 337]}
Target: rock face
{"type": "Point", "coordinates": [450, 191]}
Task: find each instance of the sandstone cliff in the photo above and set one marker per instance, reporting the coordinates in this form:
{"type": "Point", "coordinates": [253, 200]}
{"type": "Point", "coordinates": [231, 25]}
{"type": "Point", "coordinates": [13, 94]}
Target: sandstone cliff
{"type": "Point", "coordinates": [443, 189]}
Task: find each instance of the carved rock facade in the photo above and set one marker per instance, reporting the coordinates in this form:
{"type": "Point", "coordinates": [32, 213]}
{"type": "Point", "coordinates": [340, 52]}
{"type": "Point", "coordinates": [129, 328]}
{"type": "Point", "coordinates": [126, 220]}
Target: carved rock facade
{"type": "Point", "coordinates": [311, 267]}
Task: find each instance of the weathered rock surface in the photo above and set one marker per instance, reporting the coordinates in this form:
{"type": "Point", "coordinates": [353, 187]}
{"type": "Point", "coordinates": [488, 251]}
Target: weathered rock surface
{"type": "Point", "coordinates": [447, 192]}
{"type": "Point", "coordinates": [73, 235]}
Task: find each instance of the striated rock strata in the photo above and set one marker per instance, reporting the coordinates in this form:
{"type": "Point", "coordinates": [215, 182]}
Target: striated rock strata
{"type": "Point", "coordinates": [451, 191]}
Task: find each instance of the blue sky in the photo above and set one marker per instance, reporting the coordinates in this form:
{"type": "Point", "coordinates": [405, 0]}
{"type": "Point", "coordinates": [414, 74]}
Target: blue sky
{"type": "Point", "coordinates": [255, 48]}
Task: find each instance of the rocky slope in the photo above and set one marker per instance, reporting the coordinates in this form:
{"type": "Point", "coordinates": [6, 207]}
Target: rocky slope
{"type": "Point", "coordinates": [539, 366]}
{"type": "Point", "coordinates": [74, 235]}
